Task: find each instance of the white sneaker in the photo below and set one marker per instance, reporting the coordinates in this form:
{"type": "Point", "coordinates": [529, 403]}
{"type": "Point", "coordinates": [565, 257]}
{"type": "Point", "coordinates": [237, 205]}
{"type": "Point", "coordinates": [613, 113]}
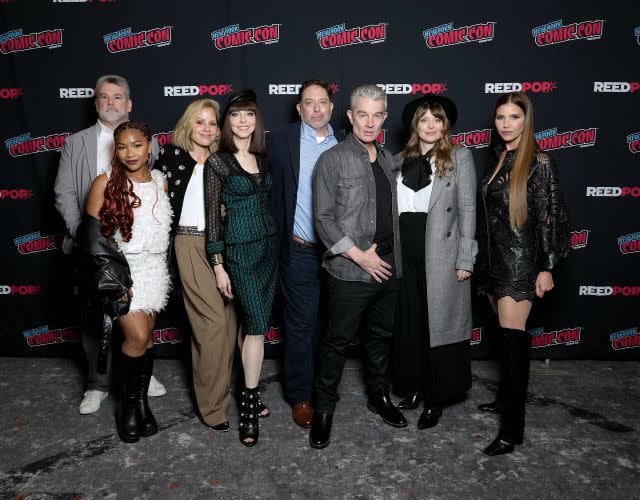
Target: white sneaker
{"type": "Point", "coordinates": [156, 388]}
{"type": "Point", "coordinates": [91, 401]}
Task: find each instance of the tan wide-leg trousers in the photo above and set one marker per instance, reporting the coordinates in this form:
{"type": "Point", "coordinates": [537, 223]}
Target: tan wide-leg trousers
{"type": "Point", "coordinates": [214, 326]}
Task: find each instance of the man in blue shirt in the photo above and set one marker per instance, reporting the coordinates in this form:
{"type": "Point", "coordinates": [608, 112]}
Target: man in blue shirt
{"type": "Point", "coordinates": [292, 152]}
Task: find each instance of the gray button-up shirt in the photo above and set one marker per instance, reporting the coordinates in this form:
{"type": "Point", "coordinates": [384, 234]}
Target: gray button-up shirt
{"type": "Point", "coordinates": [344, 193]}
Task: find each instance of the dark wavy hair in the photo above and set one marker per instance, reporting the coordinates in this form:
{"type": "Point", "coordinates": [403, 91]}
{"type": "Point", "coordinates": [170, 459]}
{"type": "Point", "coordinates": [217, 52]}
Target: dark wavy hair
{"type": "Point", "coordinates": [258, 143]}
{"type": "Point", "coordinates": [119, 197]}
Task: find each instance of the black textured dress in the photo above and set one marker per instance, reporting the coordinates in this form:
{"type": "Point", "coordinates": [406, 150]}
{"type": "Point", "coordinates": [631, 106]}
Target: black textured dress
{"type": "Point", "coordinates": [509, 259]}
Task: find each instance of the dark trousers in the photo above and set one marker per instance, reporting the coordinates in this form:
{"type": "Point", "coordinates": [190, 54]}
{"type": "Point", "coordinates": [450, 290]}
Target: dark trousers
{"type": "Point", "coordinates": [300, 283]}
{"type": "Point", "coordinates": [349, 302]}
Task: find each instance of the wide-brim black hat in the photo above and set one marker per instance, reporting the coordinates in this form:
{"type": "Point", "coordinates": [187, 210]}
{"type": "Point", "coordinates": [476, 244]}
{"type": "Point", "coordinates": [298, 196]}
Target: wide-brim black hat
{"type": "Point", "coordinates": [447, 104]}
{"type": "Point", "coordinates": [241, 95]}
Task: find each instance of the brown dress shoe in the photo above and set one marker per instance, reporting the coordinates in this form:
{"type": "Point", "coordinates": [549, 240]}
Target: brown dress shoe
{"type": "Point", "coordinates": [302, 414]}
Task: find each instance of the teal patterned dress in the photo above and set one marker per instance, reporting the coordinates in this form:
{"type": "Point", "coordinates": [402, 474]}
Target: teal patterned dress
{"type": "Point", "coordinates": [247, 238]}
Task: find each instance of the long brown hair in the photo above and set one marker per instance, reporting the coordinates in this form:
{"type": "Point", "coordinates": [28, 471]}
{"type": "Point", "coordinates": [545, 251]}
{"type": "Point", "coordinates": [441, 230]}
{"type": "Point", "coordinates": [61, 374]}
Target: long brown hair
{"type": "Point", "coordinates": [119, 197]}
{"type": "Point", "coordinates": [258, 143]}
{"type": "Point", "coordinates": [442, 148]}
{"type": "Point", "coordinates": [524, 158]}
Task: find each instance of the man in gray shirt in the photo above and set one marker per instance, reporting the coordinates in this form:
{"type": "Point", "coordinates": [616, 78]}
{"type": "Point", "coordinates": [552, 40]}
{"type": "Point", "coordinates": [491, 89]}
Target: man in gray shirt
{"type": "Point", "coordinates": [356, 217]}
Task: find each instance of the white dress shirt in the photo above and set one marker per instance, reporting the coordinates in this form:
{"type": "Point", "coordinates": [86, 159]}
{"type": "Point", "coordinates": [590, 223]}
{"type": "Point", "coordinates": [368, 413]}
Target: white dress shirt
{"type": "Point", "coordinates": [105, 148]}
{"type": "Point", "coordinates": [415, 201]}
{"type": "Point", "coordinates": [192, 213]}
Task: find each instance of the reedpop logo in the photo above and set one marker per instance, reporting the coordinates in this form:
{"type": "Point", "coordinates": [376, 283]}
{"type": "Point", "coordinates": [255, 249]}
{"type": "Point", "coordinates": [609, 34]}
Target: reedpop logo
{"type": "Point", "coordinates": [535, 87]}
{"type": "Point", "coordinates": [413, 88]}
{"type": "Point", "coordinates": [294, 88]}
{"type": "Point", "coordinates": [16, 41]}
{"type": "Point", "coordinates": [25, 145]}
{"type": "Point", "coordinates": [10, 92]}
{"type": "Point", "coordinates": [232, 36]}
{"type": "Point", "coordinates": [20, 289]}
{"type": "Point", "coordinates": [16, 194]}
{"type": "Point", "coordinates": [555, 32]}
{"type": "Point", "coordinates": [446, 35]}
{"type": "Point", "coordinates": [201, 89]}
{"type": "Point", "coordinates": [552, 139]}
{"type": "Point", "coordinates": [341, 36]}
{"type": "Point", "coordinates": [125, 39]}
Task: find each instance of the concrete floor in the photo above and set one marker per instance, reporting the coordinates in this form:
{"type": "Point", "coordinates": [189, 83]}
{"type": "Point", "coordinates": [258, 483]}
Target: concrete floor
{"type": "Point", "coordinates": [582, 441]}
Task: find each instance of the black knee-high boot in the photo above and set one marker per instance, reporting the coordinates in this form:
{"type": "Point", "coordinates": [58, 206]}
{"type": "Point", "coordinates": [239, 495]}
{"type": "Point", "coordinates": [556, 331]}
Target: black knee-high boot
{"type": "Point", "coordinates": [128, 415]}
{"type": "Point", "coordinates": [496, 338]}
{"type": "Point", "coordinates": [148, 425]}
{"type": "Point", "coordinates": [515, 381]}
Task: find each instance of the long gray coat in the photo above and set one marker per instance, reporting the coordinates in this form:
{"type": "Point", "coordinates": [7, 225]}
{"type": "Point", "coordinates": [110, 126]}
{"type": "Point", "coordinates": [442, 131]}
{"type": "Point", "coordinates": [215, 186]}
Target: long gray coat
{"type": "Point", "coordinates": [450, 245]}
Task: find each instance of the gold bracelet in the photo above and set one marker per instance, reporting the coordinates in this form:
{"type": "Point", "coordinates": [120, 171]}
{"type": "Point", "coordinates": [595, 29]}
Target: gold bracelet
{"type": "Point", "coordinates": [216, 258]}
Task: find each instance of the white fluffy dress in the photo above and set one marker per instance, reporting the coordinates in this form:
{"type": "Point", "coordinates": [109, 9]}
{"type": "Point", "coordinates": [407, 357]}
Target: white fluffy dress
{"type": "Point", "coordinates": [146, 252]}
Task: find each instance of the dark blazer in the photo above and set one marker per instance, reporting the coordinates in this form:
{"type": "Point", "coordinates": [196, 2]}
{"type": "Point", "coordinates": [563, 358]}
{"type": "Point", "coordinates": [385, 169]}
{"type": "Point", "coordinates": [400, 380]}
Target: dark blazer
{"type": "Point", "coordinates": [283, 155]}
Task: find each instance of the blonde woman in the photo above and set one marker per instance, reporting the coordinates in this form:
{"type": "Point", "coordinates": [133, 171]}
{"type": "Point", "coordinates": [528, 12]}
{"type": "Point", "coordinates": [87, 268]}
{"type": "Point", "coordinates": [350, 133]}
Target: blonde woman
{"type": "Point", "coordinates": [523, 234]}
{"type": "Point", "coordinates": [212, 318]}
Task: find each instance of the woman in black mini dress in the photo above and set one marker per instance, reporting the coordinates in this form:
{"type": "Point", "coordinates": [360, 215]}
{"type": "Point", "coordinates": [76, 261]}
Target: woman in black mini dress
{"type": "Point", "coordinates": [522, 235]}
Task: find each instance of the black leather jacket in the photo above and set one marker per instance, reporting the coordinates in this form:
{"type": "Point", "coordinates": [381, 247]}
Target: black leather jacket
{"type": "Point", "coordinates": [104, 277]}
{"type": "Point", "coordinates": [518, 255]}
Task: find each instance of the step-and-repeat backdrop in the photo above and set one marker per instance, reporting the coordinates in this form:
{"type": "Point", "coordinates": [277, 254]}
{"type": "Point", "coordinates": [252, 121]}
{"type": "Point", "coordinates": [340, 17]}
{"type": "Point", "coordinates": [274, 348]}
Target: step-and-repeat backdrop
{"type": "Point", "coordinates": [577, 62]}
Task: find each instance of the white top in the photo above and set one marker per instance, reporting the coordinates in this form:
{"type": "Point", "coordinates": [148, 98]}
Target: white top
{"type": "Point", "coordinates": [192, 213]}
{"type": "Point", "coordinates": [105, 148]}
{"type": "Point", "coordinates": [415, 201]}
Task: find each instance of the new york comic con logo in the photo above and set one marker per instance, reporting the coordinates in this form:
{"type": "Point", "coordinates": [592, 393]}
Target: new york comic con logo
{"type": "Point", "coordinates": [474, 139]}
{"type": "Point", "coordinates": [568, 336]}
{"type": "Point", "coordinates": [476, 336]}
{"type": "Point", "coordinates": [555, 32]}
{"type": "Point", "coordinates": [17, 41]}
{"type": "Point", "coordinates": [35, 243]}
{"type": "Point", "coordinates": [625, 339]}
{"type": "Point", "coordinates": [41, 335]}
{"type": "Point", "coordinates": [168, 336]}
{"type": "Point", "coordinates": [552, 139]}
{"type": "Point", "coordinates": [633, 141]}
{"type": "Point", "coordinates": [164, 138]}
{"type": "Point", "coordinates": [125, 39]}
{"type": "Point", "coordinates": [579, 239]}
{"type": "Point", "coordinates": [232, 36]}
{"type": "Point", "coordinates": [629, 243]}
{"type": "Point", "coordinates": [341, 36]}
{"type": "Point", "coordinates": [26, 145]}
{"type": "Point", "coordinates": [446, 35]}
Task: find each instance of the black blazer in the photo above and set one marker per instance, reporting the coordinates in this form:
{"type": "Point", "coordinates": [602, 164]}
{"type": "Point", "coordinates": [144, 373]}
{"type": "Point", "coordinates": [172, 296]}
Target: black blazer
{"type": "Point", "coordinates": [283, 155]}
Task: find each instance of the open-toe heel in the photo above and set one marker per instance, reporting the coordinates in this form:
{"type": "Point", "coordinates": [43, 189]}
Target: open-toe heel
{"type": "Point", "coordinates": [249, 410]}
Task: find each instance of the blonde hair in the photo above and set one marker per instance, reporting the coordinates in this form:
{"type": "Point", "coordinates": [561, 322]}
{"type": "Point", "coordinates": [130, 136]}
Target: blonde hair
{"type": "Point", "coordinates": [442, 149]}
{"type": "Point", "coordinates": [182, 132]}
{"type": "Point", "coordinates": [524, 158]}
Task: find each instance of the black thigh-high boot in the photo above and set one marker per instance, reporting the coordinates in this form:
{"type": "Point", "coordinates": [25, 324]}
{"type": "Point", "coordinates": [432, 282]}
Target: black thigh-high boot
{"type": "Point", "coordinates": [515, 381]}
{"type": "Point", "coordinates": [148, 425]}
{"type": "Point", "coordinates": [128, 415]}
{"type": "Point", "coordinates": [496, 336]}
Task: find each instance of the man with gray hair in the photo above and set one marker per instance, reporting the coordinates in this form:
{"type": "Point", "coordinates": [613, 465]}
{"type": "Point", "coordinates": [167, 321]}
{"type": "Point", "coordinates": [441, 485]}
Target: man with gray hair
{"type": "Point", "coordinates": [356, 217]}
{"type": "Point", "coordinates": [87, 154]}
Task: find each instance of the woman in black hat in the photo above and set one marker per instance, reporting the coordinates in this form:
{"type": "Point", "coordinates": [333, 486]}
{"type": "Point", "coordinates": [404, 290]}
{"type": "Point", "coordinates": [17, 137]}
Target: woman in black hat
{"type": "Point", "coordinates": [436, 201]}
{"type": "Point", "coordinates": [243, 253]}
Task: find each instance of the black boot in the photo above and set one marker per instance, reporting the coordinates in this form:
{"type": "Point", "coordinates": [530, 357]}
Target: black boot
{"type": "Point", "coordinates": [411, 402]}
{"type": "Point", "coordinates": [128, 416]}
{"type": "Point", "coordinates": [320, 434]}
{"type": "Point", "coordinates": [515, 377]}
{"type": "Point", "coordinates": [381, 404]}
{"type": "Point", "coordinates": [429, 416]}
{"type": "Point", "coordinates": [249, 410]}
{"type": "Point", "coordinates": [496, 336]}
{"type": "Point", "coordinates": [148, 425]}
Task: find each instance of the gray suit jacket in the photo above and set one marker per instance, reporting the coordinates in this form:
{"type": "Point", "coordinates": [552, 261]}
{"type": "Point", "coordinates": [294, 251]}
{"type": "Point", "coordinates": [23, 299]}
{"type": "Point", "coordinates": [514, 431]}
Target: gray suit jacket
{"type": "Point", "coordinates": [76, 171]}
{"type": "Point", "coordinates": [450, 245]}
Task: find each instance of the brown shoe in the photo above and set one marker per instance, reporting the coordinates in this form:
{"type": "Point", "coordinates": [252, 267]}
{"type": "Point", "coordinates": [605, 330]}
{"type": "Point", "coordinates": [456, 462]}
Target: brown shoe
{"type": "Point", "coordinates": [302, 414]}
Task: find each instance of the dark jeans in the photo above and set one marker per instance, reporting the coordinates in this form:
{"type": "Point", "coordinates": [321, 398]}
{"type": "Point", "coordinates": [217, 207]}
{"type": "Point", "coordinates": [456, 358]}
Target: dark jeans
{"type": "Point", "coordinates": [300, 283]}
{"type": "Point", "coordinates": [349, 302]}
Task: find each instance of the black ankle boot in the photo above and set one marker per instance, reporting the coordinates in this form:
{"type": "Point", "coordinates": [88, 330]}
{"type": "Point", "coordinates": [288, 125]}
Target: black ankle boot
{"type": "Point", "coordinates": [429, 416]}
{"type": "Point", "coordinates": [411, 402]}
{"type": "Point", "coordinates": [381, 404]}
{"type": "Point", "coordinates": [515, 381]}
{"type": "Point", "coordinates": [249, 413]}
{"type": "Point", "coordinates": [320, 434]}
{"type": "Point", "coordinates": [128, 416]}
{"type": "Point", "coordinates": [148, 425]}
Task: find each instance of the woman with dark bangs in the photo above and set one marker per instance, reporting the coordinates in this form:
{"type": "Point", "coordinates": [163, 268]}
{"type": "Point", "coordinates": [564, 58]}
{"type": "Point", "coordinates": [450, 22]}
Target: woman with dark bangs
{"type": "Point", "coordinates": [237, 177]}
{"type": "Point", "coordinates": [523, 235]}
{"type": "Point", "coordinates": [436, 202]}
{"type": "Point", "coordinates": [133, 208]}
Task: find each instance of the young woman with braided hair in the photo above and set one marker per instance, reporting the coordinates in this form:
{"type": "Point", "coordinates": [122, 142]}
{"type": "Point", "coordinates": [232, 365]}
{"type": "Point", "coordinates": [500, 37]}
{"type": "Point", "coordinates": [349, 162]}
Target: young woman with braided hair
{"type": "Point", "coordinates": [133, 208]}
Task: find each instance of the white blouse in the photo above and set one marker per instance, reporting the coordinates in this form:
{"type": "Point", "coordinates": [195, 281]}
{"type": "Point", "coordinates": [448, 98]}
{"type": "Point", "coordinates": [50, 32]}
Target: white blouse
{"type": "Point", "coordinates": [415, 201]}
{"type": "Point", "coordinates": [192, 213]}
